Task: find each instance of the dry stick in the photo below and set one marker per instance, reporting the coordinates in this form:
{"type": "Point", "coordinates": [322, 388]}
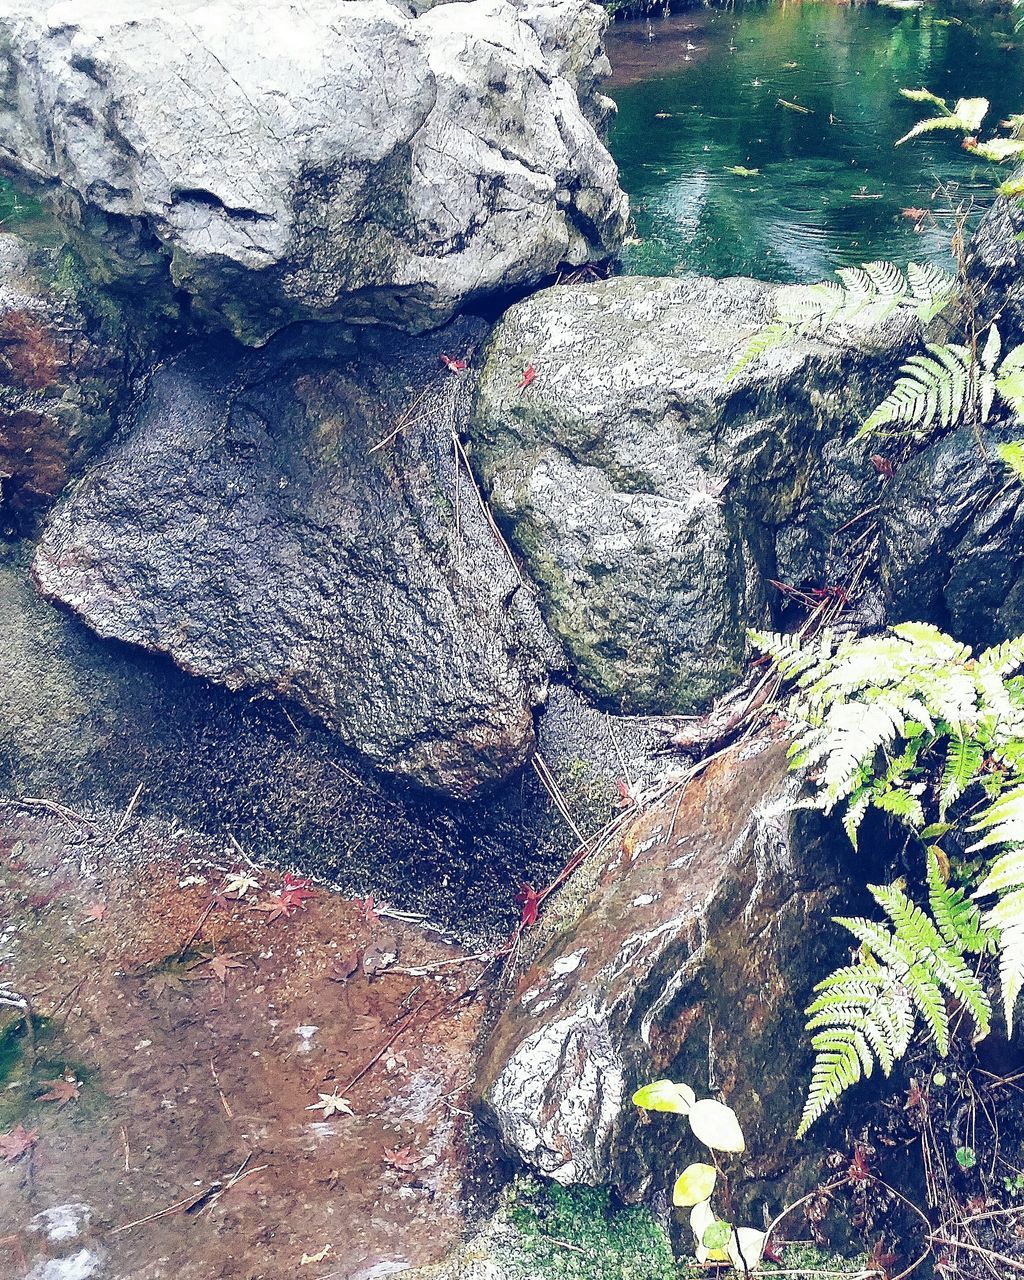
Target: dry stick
{"type": "Point", "coordinates": [403, 1025]}
{"type": "Point", "coordinates": [486, 510]}
{"type": "Point", "coordinates": [126, 816]}
{"type": "Point", "coordinates": [405, 420]}
{"type": "Point", "coordinates": [550, 784]}
{"type": "Point", "coordinates": [976, 1248]}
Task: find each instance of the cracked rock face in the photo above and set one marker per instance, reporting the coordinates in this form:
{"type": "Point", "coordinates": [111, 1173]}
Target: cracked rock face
{"type": "Point", "coordinates": [248, 528]}
{"type": "Point", "coordinates": [345, 159]}
{"type": "Point", "coordinates": [689, 952]}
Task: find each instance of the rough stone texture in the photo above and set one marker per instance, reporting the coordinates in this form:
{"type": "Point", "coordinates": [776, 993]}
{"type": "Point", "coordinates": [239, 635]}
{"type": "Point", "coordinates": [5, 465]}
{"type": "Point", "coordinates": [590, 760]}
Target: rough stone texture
{"type": "Point", "coordinates": [996, 266]}
{"type": "Point", "coordinates": [691, 957]}
{"type": "Point", "coordinates": [951, 546]}
{"type": "Point", "coordinates": [64, 361]}
{"type": "Point", "coordinates": [345, 159]}
{"type": "Point", "coordinates": [650, 498]}
{"type": "Point", "coordinates": [85, 721]}
{"type": "Point", "coordinates": [247, 527]}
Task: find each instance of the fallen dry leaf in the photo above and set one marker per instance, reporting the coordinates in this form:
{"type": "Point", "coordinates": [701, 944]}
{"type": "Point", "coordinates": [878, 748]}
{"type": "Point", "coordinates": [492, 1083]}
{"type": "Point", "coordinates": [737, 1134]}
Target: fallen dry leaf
{"type": "Point", "coordinates": [332, 1104]}
{"type": "Point", "coordinates": [404, 1159]}
{"type": "Point", "coordinates": [239, 884]}
{"type": "Point", "coordinates": [97, 911]}
{"type": "Point", "coordinates": [61, 1091]}
{"type": "Point", "coordinates": [307, 1258]}
{"type": "Point", "coordinates": [217, 966]}
{"type": "Point", "coordinates": [380, 956]}
{"type": "Point", "coordinates": [344, 967]}
{"type": "Point", "coordinates": [13, 1145]}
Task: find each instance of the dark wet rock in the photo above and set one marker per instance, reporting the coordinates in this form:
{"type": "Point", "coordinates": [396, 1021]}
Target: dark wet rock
{"type": "Point", "coordinates": [651, 499]}
{"type": "Point", "coordinates": [65, 357]}
{"type": "Point", "coordinates": [249, 527]}
{"type": "Point", "coordinates": [951, 545]}
{"type": "Point", "coordinates": [996, 267]}
{"type": "Point", "coordinates": [688, 952]}
{"type": "Point", "coordinates": [368, 162]}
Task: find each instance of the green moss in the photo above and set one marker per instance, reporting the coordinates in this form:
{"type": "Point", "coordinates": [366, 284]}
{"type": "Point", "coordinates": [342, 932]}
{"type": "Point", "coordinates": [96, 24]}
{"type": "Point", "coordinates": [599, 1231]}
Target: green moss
{"type": "Point", "coordinates": [576, 1233]}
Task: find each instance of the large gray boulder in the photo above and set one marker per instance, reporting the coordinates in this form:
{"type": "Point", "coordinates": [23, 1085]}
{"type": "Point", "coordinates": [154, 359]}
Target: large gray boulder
{"type": "Point", "coordinates": [348, 159]}
{"type": "Point", "coordinates": [294, 521]}
{"type": "Point", "coordinates": [653, 498]}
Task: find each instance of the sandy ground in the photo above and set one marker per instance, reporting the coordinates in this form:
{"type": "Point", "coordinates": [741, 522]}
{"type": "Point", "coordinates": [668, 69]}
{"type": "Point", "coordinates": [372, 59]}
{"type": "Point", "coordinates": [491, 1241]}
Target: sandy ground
{"type": "Point", "coordinates": [190, 1149]}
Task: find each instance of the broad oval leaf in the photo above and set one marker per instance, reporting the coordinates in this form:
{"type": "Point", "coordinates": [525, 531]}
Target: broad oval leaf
{"type": "Point", "coordinates": [665, 1095]}
{"type": "Point", "coordinates": [715, 1124]}
{"type": "Point", "coordinates": [701, 1218]}
{"type": "Point", "coordinates": [694, 1184]}
{"type": "Point", "coordinates": [745, 1248]}
{"type": "Point", "coordinates": [717, 1236]}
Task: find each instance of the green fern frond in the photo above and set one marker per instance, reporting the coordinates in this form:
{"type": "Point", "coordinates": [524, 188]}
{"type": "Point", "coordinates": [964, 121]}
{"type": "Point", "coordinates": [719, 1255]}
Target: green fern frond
{"type": "Point", "coordinates": [956, 917]}
{"type": "Point", "coordinates": [764, 340]}
{"type": "Point", "coordinates": [863, 297]}
{"type": "Point", "coordinates": [949, 383]}
{"type": "Point", "coordinates": [865, 1012]}
{"type": "Point", "coordinates": [964, 759]}
{"type": "Point", "coordinates": [1011, 454]}
{"type": "Point", "coordinates": [965, 117]}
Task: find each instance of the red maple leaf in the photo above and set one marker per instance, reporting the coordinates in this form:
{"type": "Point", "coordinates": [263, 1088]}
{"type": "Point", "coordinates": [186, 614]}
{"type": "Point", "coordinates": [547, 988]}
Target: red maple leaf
{"type": "Point", "coordinates": [217, 966]}
{"type": "Point", "coordinates": [13, 1145]}
{"type": "Point", "coordinates": [626, 797]}
{"type": "Point", "coordinates": [858, 1170]}
{"type": "Point", "coordinates": [296, 889]}
{"type": "Point", "coordinates": [404, 1159]}
{"type": "Point", "coordinates": [453, 364]}
{"type": "Point", "coordinates": [276, 906]}
{"type": "Point", "coordinates": [61, 1091]}
{"type": "Point", "coordinates": [529, 900]}
{"type": "Point", "coordinates": [529, 373]}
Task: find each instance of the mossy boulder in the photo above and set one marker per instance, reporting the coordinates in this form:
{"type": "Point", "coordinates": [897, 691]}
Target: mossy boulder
{"type": "Point", "coordinates": [652, 496]}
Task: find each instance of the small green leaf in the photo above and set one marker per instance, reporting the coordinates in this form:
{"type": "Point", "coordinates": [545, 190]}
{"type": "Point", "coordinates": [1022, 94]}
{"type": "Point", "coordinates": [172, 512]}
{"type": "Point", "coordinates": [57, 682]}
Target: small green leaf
{"type": "Point", "coordinates": [966, 1158]}
{"type": "Point", "coordinates": [693, 1185]}
{"type": "Point", "coordinates": [665, 1095]}
{"type": "Point", "coordinates": [715, 1124]}
{"type": "Point", "coordinates": [939, 1079]}
{"type": "Point", "coordinates": [717, 1236]}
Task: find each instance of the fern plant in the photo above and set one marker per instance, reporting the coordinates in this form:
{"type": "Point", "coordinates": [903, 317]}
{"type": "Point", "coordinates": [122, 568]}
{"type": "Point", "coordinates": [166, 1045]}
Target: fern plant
{"type": "Point", "coordinates": [949, 385]}
{"type": "Point", "coordinates": [909, 722]}
{"type": "Point", "coordinates": [860, 297]}
{"type": "Point", "coordinates": [1003, 824]}
{"type": "Point", "coordinates": [868, 1011]}
{"type": "Point", "coordinates": [965, 117]}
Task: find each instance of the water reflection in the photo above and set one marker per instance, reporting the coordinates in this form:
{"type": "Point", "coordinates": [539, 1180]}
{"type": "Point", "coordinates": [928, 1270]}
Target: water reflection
{"type": "Point", "coordinates": [806, 95]}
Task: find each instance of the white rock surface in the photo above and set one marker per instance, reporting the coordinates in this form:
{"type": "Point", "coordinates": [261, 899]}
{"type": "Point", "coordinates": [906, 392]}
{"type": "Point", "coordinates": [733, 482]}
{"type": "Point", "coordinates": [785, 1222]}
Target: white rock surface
{"type": "Point", "coordinates": [288, 159]}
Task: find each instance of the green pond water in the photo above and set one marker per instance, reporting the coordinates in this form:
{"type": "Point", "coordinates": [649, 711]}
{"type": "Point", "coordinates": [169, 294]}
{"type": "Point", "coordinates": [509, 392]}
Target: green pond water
{"type": "Point", "coordinates": [698, 94]}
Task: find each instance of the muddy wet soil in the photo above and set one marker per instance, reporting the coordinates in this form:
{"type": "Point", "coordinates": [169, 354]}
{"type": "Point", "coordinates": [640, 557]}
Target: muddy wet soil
{"type": "Point", "coordinates": [199, 1031]}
